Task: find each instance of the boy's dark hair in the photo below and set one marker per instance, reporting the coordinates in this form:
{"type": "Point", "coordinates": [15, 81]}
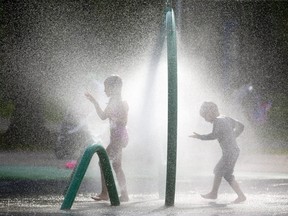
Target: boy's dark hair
{"type": "Point", "coordinates": [114, 81]}
{"type": "Point", "coordinates": [209, 107]}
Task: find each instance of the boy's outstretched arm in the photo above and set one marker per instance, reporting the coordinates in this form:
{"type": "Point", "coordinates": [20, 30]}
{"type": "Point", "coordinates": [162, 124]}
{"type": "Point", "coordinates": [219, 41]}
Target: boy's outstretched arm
{"type": "Point", "coordinates": [210, 136]}
{"type": "Point", "coordinates": [195, 135]}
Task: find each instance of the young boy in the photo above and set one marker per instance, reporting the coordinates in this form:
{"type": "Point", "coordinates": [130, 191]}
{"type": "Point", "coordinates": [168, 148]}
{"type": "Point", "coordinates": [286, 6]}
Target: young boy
{"type": "Point", "coordinates": [117, 113]}
{"type": "Point", "coordinates": [225, 130]}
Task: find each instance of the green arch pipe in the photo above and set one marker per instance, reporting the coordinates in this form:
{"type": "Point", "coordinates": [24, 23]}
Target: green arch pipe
{"type": "Point", "coordinates": [172, 106]}
{"type": "Point", "coordinates": [81, 170]}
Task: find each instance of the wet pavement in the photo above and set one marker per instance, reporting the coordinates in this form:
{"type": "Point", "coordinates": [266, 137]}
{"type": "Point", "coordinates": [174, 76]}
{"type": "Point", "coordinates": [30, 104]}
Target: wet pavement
{"type": "Point", "coordinates": [265, 203]}
{"type": "Point", "coordinates": [266, 191]}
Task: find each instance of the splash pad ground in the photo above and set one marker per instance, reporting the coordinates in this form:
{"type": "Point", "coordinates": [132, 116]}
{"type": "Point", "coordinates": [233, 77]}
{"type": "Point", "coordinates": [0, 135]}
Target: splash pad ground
{"type": "Point", "coordinates": [189, 204]}
{"type": "Point", "coordinates": [265, 182]}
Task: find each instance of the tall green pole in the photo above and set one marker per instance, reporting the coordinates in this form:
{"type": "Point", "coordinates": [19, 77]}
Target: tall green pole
{"type": "Point", "coordinates": [172, 106]}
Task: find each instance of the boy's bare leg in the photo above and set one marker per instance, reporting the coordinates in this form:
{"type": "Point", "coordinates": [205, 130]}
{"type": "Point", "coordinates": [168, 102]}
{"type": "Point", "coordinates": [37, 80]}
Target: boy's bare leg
{"type": "Point", "coordinates": [235, 186]}
{"type": "Point", "coordinates": [214, 192]}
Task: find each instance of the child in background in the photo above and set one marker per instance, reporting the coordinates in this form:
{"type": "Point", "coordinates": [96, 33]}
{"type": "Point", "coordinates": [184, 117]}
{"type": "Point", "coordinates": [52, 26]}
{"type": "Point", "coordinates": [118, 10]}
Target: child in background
{"type": "Point", "coordinates": [117, 113]}
{"type": "Point", "coordinates": [225, 130]}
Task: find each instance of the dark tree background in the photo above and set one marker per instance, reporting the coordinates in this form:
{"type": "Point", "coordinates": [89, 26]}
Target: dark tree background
{"type": "Point", "coordinates": [259, 27]}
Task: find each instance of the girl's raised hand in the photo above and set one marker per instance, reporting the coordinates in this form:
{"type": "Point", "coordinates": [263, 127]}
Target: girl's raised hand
{"type": "Point", "coordinates": [90, 97]}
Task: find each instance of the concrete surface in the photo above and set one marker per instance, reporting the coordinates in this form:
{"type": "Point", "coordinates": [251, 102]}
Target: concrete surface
{"type": "Point", "coordinates": [263, 178]}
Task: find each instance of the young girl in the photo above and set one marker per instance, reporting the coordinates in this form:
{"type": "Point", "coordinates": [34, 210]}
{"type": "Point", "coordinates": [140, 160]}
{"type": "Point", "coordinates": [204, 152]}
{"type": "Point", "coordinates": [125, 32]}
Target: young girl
{"type": "Point", "coordinates": [117, 113]}
{"type": "Point", "coordinates": [225, 130]}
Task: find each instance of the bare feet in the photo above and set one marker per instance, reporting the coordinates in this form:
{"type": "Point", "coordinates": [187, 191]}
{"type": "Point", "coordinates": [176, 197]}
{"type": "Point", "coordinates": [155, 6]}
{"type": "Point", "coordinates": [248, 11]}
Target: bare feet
{"type": "Point", "coordinates": [124, 198]}
{"type": "Point", "coordinates": [100, 197]}
{"type": "Point", "coordinates": [209, 196]}
{"type": "Point", "coordinates": [239, 200]}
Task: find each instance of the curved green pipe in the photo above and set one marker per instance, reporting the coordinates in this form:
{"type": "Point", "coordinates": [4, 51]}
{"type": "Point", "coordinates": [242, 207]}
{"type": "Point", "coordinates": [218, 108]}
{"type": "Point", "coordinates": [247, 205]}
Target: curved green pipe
{"type": "Point", "coordinates": [81, 170]}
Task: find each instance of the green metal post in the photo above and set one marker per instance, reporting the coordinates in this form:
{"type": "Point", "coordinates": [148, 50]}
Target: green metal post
{"type": "Point", "coordinates": [81, 170]}
{"type": "Point", "coordinates": [172, 106]}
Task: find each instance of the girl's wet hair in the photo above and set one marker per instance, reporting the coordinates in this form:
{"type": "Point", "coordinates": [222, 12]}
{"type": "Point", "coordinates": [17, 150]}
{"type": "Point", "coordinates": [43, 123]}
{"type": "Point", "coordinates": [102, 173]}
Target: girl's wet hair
{"type": "Point", "coordinates": [114, 81]}
{"type": "Point", "coordinates": [209, 107]}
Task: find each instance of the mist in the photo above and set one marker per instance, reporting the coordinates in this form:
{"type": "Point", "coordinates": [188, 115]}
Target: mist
{"type": "Point", "coordinates": [69, 49]}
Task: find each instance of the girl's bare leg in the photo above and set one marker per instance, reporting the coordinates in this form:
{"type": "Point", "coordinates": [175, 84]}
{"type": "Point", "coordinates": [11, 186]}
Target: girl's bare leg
{"type": "Point", "coordinates": [117, 166]}
{"type": "Point", "coordinates": [104, 192]}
